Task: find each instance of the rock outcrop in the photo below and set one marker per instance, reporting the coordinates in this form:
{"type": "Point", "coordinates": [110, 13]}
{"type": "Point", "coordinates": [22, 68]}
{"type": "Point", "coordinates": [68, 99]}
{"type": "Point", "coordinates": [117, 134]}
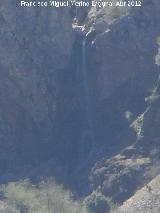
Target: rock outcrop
{"type": "Point", "coordinates": [122, 73]}
{"type": "Point", "coordinates": [146, 200]}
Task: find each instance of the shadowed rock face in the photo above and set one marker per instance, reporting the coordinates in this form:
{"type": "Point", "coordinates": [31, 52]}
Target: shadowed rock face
{"type": "Point", "coordinates": [125, 52]}
{"type": "Point", "coordinates": [35, 52]}
{"type": "Point", "coordinates": [122, 71]}
{"type": "Point", "coordinates": [121, 67]}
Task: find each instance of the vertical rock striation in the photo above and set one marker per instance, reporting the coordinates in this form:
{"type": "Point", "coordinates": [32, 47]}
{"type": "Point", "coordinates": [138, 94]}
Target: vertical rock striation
{"type": "Point", "coordinates": [35, 52]}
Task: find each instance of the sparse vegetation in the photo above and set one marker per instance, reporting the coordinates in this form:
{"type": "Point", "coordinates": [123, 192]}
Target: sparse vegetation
{"type": "Point", "coordinates": [153, 97]}
{"type": "Point", "coordinates": [97, 203]}
{"type": "Point", "coordinates": [137, 125]}
{"type": "Point", "coordinates": [157, 57]}
{"type": "Point", "coordinates": [129, 116]}
{"type": "Point", "coordinates": [47, 197]}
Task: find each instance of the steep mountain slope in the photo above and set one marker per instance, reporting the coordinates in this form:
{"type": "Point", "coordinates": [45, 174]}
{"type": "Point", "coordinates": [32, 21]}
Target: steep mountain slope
{"type": "Point", "coordinates": [121, 73]}
{"type": "Point", "coordinates": [123, 78]}
{"type": "Point", "coordinates": [145, 200]}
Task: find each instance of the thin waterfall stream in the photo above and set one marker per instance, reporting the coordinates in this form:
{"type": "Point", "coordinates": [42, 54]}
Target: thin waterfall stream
{"type": "Point", "coordinates": [86, 89]}
{"type": "Point", "coordinates": [88, 137]}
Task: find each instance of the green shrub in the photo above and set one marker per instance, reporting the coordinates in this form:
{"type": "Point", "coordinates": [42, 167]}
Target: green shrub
{"type": "Point", "coordinates": [129, 116]}
{"type": "Point", "coordinates": [97, 203]}
{"type": "Point", "coordinates": [47, 197]}
{"type": "Point", "coordinates": [152, 98]}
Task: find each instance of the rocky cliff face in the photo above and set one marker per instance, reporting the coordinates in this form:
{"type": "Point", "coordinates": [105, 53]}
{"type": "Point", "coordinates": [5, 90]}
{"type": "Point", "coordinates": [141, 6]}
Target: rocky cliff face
{"type": "Point", "coordinates": [122, 66]}
{"type": "Point", "coordinates": [52, 98]}
{"type": "Point", "coordinates": [35, 50]}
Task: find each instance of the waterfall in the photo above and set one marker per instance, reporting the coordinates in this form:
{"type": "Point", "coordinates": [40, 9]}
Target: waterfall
{"type": "Point", "coordinates": [87, 101]}
{"type": "Point", "coordinates": [88, 134]}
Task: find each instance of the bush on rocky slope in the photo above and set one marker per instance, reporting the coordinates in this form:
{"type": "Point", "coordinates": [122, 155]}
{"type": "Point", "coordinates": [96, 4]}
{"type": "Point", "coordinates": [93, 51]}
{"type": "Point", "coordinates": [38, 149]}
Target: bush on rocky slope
{"type": "Point", "coordinates": [47, 197]}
